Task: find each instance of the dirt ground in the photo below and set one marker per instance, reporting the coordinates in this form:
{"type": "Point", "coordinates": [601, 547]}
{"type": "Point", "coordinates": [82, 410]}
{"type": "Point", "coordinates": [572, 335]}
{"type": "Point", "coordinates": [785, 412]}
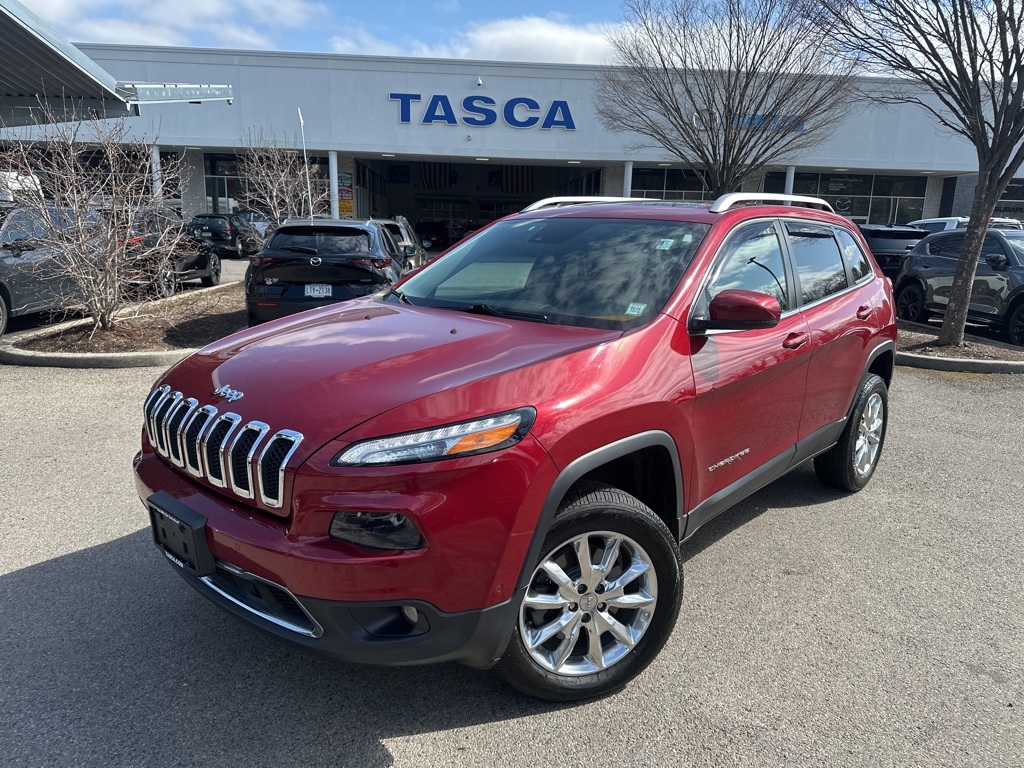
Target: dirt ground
{"type": "Point", "coordinates": [202, 317]}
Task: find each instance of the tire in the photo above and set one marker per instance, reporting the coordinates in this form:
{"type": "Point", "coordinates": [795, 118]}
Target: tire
{"type": "Point", "coordinates": [544, 662]}
{"type": "Point", "coordinates": [910, 304]}
{"type": "Point", "coordinates": [214, 266]}
{"type": "Point", "coordinates": [1015, 325]}
{"type": "Point", "coordinates": [5, 315]}
{"type": "Point", "coordinates": [237, 249]}
{"type": "Point", "coordinates": [166, 285]}
{"type": "Point", "coordinates": [852, 462]}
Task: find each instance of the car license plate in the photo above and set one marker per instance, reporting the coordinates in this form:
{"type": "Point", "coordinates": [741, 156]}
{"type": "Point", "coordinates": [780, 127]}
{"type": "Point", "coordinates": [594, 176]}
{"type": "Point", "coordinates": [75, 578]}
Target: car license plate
{"type": "Point", "coordinates": [206, 234]}
{"type": "Point", "coordinates": [318, 291]}
{"type": "Point", "coordinates": [180, 533]}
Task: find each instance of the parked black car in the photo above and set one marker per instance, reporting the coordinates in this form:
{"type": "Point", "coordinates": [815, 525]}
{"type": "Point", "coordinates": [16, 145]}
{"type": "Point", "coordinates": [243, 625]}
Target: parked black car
{"type": "Point", "coordinates": [191, 257]}
{"type": "Point", "coordinates": [224, 231]}
{"type": "Point", "coordinates": [890, 245]}
{"type": "Point", "coordinates": [997, 296]}
{"type": "Point", "coordinates": [313, 263]}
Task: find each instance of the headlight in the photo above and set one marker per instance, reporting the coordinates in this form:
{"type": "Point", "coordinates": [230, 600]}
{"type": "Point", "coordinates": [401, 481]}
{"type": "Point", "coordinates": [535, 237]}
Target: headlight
{"type": "Point", "coordinates": [454, 440]}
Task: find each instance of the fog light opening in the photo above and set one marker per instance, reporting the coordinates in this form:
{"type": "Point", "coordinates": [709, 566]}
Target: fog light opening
{"type": "Point", "coordinates": [378, 530]}
{"type": "Point", "coordinates": [410, 614]}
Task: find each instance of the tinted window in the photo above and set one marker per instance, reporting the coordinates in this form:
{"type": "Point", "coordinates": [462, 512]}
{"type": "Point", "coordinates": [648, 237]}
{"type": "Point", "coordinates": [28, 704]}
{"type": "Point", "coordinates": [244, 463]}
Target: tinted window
{"type": "Point", "coordinates": [1016, 242]}
{"type": "Point", "coordinates": [598, 273]}
{"type": "Point", "coordinates": [335, 241]}
{"type": "Point", "coordinates": [948, 246]}
{"type": "Point", "coordinates": [992, 245]}
{"type": "Point", "coordinates": [752, 261]}
{"type": "Point", "coordinates": [818, 261]}
{"type": "Point", "coordinates": [892, 241]}
{"type": "Point", "coordinates": [213, 222]}
{"type": "Point", "coordinates": [856, 259]}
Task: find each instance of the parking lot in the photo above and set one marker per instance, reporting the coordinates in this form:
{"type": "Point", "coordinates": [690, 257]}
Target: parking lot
{"type": "Point", "coordinates": [817, 629]}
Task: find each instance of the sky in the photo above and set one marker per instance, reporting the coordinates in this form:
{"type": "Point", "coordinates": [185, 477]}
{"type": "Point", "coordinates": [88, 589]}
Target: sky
{"type": "Point", "coordinates": [526, 30]}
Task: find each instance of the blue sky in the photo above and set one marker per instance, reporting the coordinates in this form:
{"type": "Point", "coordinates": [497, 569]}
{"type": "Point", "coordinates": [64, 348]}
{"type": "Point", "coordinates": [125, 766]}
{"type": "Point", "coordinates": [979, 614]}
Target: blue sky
{"type": "Point", "coordinates": [527, 30]}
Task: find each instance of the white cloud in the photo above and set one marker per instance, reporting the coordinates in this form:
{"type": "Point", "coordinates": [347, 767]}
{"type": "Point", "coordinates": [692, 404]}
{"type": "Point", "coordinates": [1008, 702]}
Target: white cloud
{"type": "Point", "coordinates": [529, 38]}
{"type": "Point", "coordinates": [125, 33]}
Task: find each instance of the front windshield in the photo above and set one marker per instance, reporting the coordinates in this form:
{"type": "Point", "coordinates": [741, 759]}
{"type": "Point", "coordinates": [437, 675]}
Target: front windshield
{"type": "Point", "coordinates": [596, 273]}
{"type": "Point", "coordinates": [1016, 241]}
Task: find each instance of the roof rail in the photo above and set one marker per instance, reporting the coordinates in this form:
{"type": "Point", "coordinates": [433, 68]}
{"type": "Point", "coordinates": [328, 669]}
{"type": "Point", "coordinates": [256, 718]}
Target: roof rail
{"type": "Point", "coordinates": [560, 202]}
{"type": "Point", "coordinates": [725, 202]}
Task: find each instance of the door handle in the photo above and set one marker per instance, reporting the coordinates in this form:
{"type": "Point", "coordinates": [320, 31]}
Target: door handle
{"type": "Point", "coordinates": [864, 312]}
{"type": "Point", "coordinates": [795, 340]}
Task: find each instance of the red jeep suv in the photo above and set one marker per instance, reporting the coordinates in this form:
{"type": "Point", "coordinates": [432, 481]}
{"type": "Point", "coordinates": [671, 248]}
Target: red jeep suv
{"type": "Point", "coordinates": [495, 461]}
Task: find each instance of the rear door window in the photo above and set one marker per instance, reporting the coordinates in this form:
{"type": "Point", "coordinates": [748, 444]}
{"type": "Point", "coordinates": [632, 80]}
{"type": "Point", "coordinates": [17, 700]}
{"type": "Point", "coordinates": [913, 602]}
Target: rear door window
{"type": "Point", "coordinates": [819, 263]}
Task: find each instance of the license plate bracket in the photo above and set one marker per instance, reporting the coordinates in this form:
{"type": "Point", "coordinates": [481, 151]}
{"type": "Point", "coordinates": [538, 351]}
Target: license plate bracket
{"type": "Point", "coordinates": [318, 291]}
{"type": "Point", "coordinates": [180, 533]}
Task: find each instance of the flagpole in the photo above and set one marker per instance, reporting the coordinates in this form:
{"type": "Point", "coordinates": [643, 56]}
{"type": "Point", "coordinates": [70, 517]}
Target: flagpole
{"type": "Point", "coordinates": [305, 161]}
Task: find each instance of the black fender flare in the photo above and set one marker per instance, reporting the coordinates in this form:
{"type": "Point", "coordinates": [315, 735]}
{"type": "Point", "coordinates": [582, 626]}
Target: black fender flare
{"type": "Point", "coordinates": [655, 438]}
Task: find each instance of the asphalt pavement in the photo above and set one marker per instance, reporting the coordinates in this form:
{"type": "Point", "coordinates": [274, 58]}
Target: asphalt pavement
{"type": "Point", "coordinates": [882, 628]}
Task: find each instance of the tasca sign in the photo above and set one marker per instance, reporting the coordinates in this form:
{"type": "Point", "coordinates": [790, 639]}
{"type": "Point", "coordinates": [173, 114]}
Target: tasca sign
{"type": "Point", "coordinates": [481, 111]}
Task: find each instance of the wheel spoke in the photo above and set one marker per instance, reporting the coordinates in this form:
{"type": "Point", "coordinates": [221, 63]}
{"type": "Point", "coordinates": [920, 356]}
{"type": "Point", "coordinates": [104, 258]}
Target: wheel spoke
{"type": "Point", "coordinates": [634, 600]}
{"type": "Point", "coordinates": [605, 622]}
{"type": "Point", "coordinates": [543, 601]}
{"type": "Point", "coordinates": [595, 653]}
{"type": "Point", "coordinates": [611, 554]}
{"type": "Point", "coordinates": [617, 588]}
{"type": "Point", "coordinates": [566, 586]}
{"type": "Point", "coordinates": [565, 647]}
{"type": "Point", "coordinates": [582, 547]}
{"type": "Point", "coordinates": [541, 635]}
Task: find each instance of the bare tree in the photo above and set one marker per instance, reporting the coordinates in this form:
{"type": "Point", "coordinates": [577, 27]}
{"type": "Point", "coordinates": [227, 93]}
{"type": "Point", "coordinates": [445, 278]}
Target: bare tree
{"type": "Point", "coordinates": [728, 86]}
{"type": "Point", "coordinates": [80, 232]}
{"type": "Point", "coordinates": [962, 61]}
{"type": "Point", "coordinates": [274, 181]}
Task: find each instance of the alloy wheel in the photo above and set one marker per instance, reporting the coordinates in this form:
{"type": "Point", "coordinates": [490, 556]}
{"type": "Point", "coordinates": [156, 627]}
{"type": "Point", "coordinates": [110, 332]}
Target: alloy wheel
{"type": "Point", "coordinates": [589, 602]}
{"type": "Point", "coordinates": [869, 435]}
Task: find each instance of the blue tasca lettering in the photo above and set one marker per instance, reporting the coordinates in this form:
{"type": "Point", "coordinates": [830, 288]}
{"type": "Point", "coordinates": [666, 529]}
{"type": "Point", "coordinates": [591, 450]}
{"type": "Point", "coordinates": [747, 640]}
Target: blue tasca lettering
{"type": "Point", "coordinates": [405, 101]}
{"type": "Point", "coordinates": [509, 112]}
{"type": "Point", "coordinates": [439, 110]}
{"type": "Point", "coordinates": [480, 109]}
{"type": "Point", "coordinates": [559, 115]}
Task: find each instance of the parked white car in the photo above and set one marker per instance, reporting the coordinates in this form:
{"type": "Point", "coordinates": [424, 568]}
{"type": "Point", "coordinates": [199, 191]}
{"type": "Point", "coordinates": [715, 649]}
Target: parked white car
{"type": "Point", "coordinates": [943, 223]}
{"type": "Point", "coordinates": [15, 184]}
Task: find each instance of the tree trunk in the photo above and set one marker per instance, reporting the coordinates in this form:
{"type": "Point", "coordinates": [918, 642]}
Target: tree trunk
{"type": "Point", "coordinates": [985, 199]}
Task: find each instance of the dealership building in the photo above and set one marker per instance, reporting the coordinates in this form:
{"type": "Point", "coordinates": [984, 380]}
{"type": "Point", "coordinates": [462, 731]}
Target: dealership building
{"type": "Point", "coordinates": [464, 142]}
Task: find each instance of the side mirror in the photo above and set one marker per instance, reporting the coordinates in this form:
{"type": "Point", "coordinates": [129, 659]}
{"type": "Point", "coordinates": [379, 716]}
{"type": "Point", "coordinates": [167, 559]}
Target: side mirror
{"type": "Point", "coordinates": [21, 245]}
{"type": "Point", "coordinates": [997, 260]}
{"type": "Point", "coordinates": [736, 310]}
{"type": "Point", "coordinates": [409, 250]}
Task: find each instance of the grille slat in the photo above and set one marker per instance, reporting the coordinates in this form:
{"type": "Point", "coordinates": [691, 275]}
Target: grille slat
{"type": "Point", "coordinates": [220, 449]}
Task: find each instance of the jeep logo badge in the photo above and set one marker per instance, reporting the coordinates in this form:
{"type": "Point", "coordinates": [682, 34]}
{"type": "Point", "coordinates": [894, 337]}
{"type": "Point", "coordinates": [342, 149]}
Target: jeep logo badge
{"type": "Point", "coordinates": [228, 393]}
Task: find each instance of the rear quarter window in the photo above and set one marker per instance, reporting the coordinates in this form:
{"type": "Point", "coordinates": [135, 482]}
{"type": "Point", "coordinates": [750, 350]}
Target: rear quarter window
{"type": "Point", "coordinates": [855, 258]}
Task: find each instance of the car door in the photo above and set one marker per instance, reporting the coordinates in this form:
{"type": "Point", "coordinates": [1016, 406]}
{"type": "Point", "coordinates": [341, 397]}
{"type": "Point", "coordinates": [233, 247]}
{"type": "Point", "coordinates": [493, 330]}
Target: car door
{"type": "Point", "coordinates": [749, 385]}
{"type": "Point", "coordinates": [842, 304]}
{"type": "Point", "coordinates": [938, 268]}
{"type": "Point", "coordinates": [991, 285]}
{"type": "Point", "coordinates": [26, 264]}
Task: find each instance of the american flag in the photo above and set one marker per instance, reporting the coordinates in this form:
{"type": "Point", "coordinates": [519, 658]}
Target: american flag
{"type": "Point", "coordinates": [435, 175]}
{"type": "Point", "coordinates": [516, 179]}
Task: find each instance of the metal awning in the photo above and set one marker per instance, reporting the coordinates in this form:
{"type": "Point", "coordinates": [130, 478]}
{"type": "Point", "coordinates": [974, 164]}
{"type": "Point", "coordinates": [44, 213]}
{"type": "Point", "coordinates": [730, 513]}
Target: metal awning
{"type": "Point", "coordinates": [42, 72]}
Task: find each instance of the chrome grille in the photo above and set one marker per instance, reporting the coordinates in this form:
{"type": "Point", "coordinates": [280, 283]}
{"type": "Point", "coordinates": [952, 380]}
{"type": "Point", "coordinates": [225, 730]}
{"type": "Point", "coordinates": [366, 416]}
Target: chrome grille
{"type": "Point", "coordinates": [220, 448]}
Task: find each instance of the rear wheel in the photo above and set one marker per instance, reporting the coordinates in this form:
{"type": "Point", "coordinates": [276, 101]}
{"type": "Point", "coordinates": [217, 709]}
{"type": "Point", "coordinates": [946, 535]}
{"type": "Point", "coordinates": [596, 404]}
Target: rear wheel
{"type": "Point", "coordinates": [851, 463]}
{"type": "Point", "coordinates": [166, 284]}
{"type": "Point", "coordinates": [910, 304]}
{"type": "Point", "coordinates": [601, 602]}
{"type": "Point", "coordinates": [215, 269]}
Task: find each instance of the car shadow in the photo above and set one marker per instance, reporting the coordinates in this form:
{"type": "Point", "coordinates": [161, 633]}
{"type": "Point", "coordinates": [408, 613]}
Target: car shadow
{"type": "Point", "coordinates": [110, 658]}
{"type": "Point", "coordinates": [799, 488]}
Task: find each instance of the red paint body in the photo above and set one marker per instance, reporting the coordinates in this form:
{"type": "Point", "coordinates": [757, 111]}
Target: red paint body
{"type": "Point", "coordinates": [367, 369]}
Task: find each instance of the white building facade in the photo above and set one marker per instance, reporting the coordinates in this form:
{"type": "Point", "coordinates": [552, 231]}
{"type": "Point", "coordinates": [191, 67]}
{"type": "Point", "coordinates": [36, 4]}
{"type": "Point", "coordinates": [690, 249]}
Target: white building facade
{"type": "Point", "coordinates": [464, 142]}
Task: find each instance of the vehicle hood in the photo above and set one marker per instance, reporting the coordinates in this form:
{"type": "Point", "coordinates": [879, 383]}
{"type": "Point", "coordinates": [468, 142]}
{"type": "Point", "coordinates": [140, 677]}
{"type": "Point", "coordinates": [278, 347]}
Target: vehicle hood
{"type": "Point", "coordinates": [325, 371]}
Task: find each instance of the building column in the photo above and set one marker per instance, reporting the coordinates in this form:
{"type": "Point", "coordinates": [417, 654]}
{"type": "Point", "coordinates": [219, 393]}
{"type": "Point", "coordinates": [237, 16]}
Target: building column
{"type": "Point", "coordinates": [627, 179]}
{"type": "Point", "coordinates": [332, 166]}
{"type": "Point", "coordinates": [790, 175]}
{"type": "Point", "coordinates": [155, 172]}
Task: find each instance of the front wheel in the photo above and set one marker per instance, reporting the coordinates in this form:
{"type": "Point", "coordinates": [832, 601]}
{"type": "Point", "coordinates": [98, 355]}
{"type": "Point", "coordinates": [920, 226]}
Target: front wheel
{"type": "Point", "coordinates": [851, 463]}
{"type": "Point", "coordinates": [1015, 325]}
{"type": "Point", "coordinates": [600, 604]}
{"type": "Point", "coordinates": [4, 315]}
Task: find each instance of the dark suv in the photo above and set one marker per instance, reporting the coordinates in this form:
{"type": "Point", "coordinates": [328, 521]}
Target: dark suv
{"type": "Point", "coordinates": [890, 245]}
{"type": "Point", "coordinates": [495, 461]}
{"type": "Point", "coordinates": [997, 295]}
{"type": "Point", "coordinates": [226, 232]}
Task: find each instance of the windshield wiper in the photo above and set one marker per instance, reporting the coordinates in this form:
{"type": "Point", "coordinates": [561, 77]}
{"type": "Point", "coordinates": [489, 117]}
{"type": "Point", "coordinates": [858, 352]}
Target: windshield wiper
{"type": "Point", "coordinates": [487, 309]}
{"type": "Point", "coordinates": [299, 249]}
{"type": "Point", "coordinates": [401, 296]}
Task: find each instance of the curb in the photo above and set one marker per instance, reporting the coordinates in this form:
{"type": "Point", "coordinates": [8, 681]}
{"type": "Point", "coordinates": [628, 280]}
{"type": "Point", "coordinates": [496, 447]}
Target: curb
{"type": "Point", "coordinates": [10, 355]}
{"type": "Point", "coordinates": [959, 365]}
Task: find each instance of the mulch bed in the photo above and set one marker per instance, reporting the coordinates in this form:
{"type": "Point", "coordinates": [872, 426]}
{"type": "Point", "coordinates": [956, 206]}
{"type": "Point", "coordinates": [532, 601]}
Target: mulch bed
{"type": "Point", "coordinates": [193, 320]}
{"type": "Point", "coordinates": [919, 341]}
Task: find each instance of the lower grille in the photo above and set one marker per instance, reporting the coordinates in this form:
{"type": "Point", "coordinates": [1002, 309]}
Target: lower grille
{"type": "Point", "coordinates": [264, 598]}
{"type": "Point", "coordinates": [218, 448]}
